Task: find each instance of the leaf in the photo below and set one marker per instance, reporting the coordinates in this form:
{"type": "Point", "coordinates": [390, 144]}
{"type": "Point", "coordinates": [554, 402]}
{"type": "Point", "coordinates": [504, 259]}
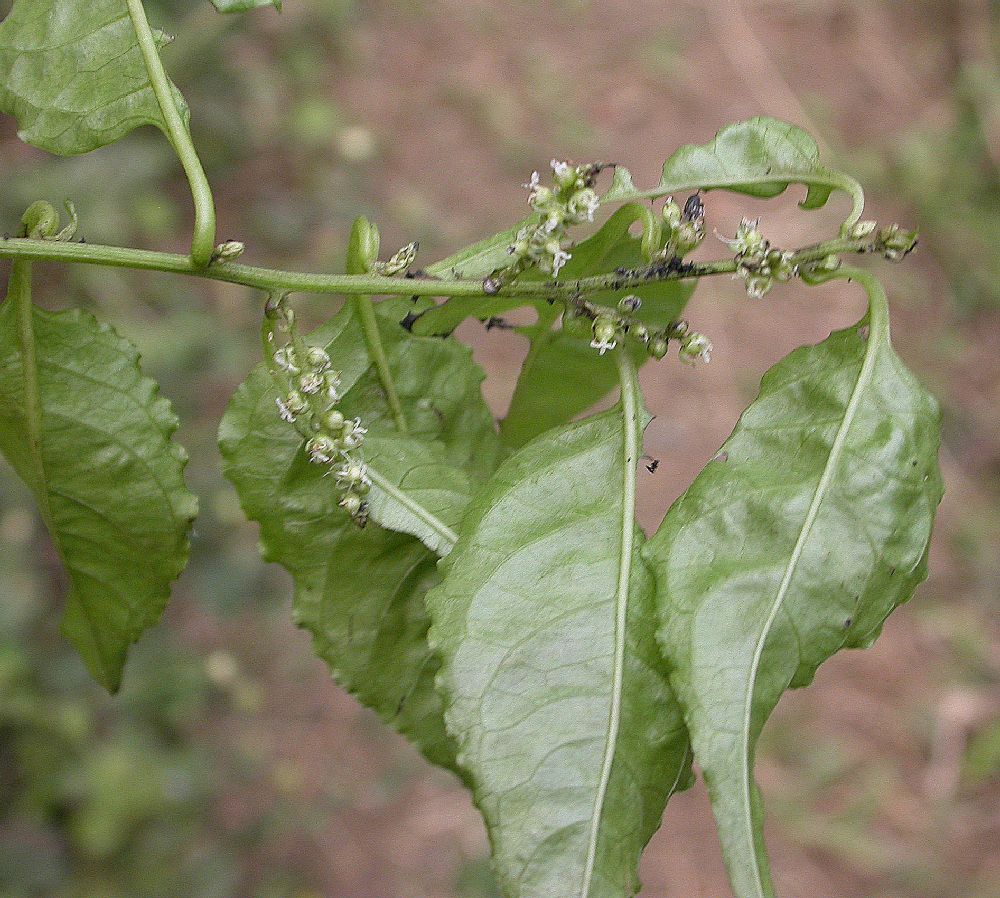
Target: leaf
{"type": "Point", "coordinates": [562, 375]}
{"type": "Point", "coordinates": [556, 692]}
{"type": "Point", "coordinates": [244, 5]}
{"type": "Point", "coordinates": [810, 526]}
{"type": "Point", "coordinates": [480, 258]}
{"type": "Point", "coordinates": [88, 434]}
{"type": "Point", "coordinates": [73, 75]}
{"type": "Point", "coordinates": [361, 592]}
{"type": "Point", "coordinates": [760, 157]}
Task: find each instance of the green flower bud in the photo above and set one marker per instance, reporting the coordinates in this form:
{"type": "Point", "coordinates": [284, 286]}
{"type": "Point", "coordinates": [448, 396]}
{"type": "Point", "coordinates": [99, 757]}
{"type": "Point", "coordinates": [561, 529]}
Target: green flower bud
{"type": "Point", "coordinates": [671, 214]}
{"type": "Point", "coordinates": [296, 402]}
{"type": "Point", "coordinates": [582, 205]}
{"type": "Point", "coordinates": [696, 348]}
{"type": "Point", "coordinates": [688, 236]}
{"type": "Point", "coordinates": [351, 503]}
{"type": "Point", "coordinates": [639, 331]}
{"type": "Point", "coordinates": [334, 421]}
{"type": "Point", "coordinates": [605, 333]}
{"type": "Point", "coordinates": [658, 347]}
{"type": "Point", "coordinates": [629, 304]}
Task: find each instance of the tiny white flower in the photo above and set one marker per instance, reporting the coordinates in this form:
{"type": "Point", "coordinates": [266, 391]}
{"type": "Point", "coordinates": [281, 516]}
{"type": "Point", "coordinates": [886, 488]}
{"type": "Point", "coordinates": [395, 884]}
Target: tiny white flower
{"type": "Point", "coordinates": [560, 169]}
{"type": "Point", "coordinates": [352, 473]}
{"type": "Point", "coordinates": [284, 411]}
{"type": "Point", "coordinates": [321, 450]}
{"type": "Point", "coordinates": [284, 358]}
{"type": "Point", "coordinates": [311, 383]}
{"type": "Point", "coordinates": [354, 434]}
{"type": "Point", "coordinates": [603, 346]}
{"type": "Point", "coordinates": [559, 258]}
{"type": "Point", "coordinates": [533, 181]}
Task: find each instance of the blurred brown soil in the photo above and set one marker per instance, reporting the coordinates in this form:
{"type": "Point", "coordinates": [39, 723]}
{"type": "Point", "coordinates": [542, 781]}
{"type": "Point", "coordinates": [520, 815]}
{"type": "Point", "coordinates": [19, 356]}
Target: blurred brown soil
{"type": "Point", "coordinates": [464, 99]}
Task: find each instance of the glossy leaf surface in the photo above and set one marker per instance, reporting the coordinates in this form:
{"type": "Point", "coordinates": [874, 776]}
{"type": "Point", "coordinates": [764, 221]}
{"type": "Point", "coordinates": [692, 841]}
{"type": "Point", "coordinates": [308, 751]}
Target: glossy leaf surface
{"type": "Point", "coordinates": [361, 592]}
{"type": "Point", "coordinates": [91, 438]}
{"type": "Point", "coordinates": [556, 692]}
{"type": "Point", "coordinates": [73, 75]}
{"type": "Point", "coordinates": [809, 527]}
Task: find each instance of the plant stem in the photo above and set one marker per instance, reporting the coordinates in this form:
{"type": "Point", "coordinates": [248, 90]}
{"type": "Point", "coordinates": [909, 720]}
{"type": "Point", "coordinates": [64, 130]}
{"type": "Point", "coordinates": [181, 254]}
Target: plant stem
{"type": "Point", "coordinates": [277, 281]}
{"type": "Point", "coordinates": [203, 239]}
{"type": "Point", "coordinates": [365, 311]}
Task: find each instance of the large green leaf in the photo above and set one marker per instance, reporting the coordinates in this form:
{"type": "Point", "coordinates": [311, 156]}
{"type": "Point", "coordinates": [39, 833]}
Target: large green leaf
{"type": "Point", "coordinates": [556, 692]}
{"type": "Point", "coordinates": [88, 434]}
{"type": "Point", "coordinates": [73, 75]}
{"type": "Point", "coordinates": [760, 157]}
{"type": "Point", "coordinates": [360, 592]}
{"type": "Point", "coordinates": [809, 527]}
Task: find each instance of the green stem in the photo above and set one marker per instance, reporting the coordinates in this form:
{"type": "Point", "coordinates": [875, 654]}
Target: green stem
{"type": "Point", "coordinates": [272, 280]}
{"type": "Point", "coordinates": [203, 239]}
{"type": "Point", "coordinates": [19, 295]}
{"type": "Point", "coordinates": [365, 311]}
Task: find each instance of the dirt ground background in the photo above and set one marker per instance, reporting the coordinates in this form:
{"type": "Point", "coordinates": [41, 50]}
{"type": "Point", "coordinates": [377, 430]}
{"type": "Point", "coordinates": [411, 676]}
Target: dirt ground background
{"type": "Point", "coordinates": [231, 765]}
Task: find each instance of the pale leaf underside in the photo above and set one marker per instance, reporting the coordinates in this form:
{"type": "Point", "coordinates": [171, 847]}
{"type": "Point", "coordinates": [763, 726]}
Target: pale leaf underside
{"type": "Point", "coordinates": [556, 691]}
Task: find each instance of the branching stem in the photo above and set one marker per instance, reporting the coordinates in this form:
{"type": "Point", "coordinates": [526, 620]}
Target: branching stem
{"type": "Point", "coordinates": [277, 281]}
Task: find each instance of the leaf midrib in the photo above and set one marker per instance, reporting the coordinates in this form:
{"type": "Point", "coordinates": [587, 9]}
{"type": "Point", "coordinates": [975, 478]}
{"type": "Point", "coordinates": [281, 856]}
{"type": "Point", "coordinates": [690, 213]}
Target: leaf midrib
{"type": "Point", "coordinates": [630, 420]}
{"type": "Point", "coordinates": [877, 333]}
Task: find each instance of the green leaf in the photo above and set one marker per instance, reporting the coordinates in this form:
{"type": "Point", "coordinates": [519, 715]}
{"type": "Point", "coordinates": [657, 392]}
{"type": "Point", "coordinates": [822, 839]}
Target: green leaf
{"type": "Point", "coordinates": [556, 692]}
{"type": "Point", "coordinates": [808, 528]}
{"type": "Point", "coordinates": [244, 5]}
{"type": "Point", "coordinates": [562, 375]}
{"type": "Point", "coordinates": [88, 434]}
{"type": "Point", "coordinates": [480, 258]}
{"type": "Point", "coordinates": [361, 592]}
{"type": "Point", "coordinates": [73, 75]}
{"type": "Point", "coordinates": [760, 157]}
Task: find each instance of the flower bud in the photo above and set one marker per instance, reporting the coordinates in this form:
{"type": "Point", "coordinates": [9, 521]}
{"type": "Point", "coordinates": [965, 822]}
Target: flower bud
{"type": "Point", "coordinates": [226, 252]}
{"type": "Point", "coordinates": [658, 347]}
{"type": "Point", "coordinates": [321, 450]}
{"type": "Point", "coordinates": [334, 421]}
{"type": "Point", "coordinates": [639, 331]}
{"type": "Point", "coordinates": [605, 333]}
{"type": "Point", "coordinates": [582, 205]}
{"type": "Point", "coordinates": [629, 304]}
{"type": "Point", "coordinates": [317, 359]}
{"type": "Point", "coordinates": [296, 402]}
{"type": "Point", "coordinates": [565, 175]}
{"type": "Point", "coordinates": [696, 348]}
{"type": "Point", "coordinates": [285, 359]}
{"type": "Point", "coordinates": [351, 503]}
{"type": "Point", "coordinates": [671, 214]}
{"type": "Point", "coordinates": [688, 236]}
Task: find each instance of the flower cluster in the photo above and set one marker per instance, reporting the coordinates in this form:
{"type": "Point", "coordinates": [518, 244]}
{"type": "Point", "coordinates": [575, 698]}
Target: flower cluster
{"type": "Point", "coordinates": [609, 327]}
{"type": "Point", "coordinates": [758, 263]}
{"type": "Point", "coordinates": [311, 395]}
{"type": "Point", "coordinates": [571, 200]}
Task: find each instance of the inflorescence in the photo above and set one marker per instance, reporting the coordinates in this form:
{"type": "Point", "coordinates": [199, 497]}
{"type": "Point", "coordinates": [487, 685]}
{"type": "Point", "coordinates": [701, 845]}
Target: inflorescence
{"type": "Point", "coordinates": [310, 389]}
